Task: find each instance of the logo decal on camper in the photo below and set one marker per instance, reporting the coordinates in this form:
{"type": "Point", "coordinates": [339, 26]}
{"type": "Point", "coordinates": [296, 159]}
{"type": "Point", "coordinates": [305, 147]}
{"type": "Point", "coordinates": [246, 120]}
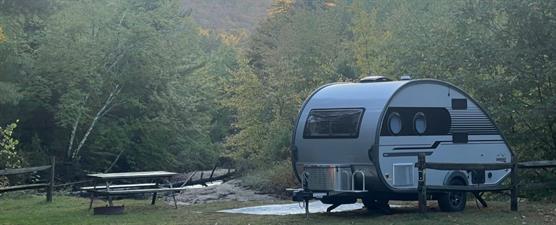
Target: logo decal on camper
{"type": "Point", "coordinates": [501, 158]}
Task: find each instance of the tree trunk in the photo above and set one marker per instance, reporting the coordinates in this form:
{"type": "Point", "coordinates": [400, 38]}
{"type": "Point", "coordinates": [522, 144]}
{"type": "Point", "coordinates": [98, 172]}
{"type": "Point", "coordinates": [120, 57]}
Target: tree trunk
{"type": "Point", "coordinates": [74, 130]}
{"type": "Point", "coordinates": [115, 160]}
{"type": "Point", "coordinates": [105, 108]}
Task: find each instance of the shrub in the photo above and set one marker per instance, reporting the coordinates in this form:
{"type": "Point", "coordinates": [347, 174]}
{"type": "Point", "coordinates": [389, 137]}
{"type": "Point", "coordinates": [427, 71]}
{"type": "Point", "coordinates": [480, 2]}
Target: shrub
{"type": "Point", "coordinates": [273, 179]}
{"type": "Point", "coordinates": [8, 154]}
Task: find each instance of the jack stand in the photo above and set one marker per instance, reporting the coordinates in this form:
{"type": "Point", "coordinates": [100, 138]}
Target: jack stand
{"type": "Point", "coordinates": [332, 207]}
{"type": "Point", "coordinates": [479, 197]}
{"type": "Point", "coordinates": [306, 208]}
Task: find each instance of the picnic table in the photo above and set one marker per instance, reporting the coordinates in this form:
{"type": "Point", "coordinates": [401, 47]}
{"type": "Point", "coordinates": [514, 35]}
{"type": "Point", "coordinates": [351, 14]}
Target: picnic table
{"type": "Point", "coordinates": [111, 188]}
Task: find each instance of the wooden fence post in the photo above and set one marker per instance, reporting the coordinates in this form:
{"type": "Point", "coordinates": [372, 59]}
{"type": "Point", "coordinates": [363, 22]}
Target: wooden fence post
{"type": "Point", "coordinates": [514, 182]}
{"type": "Point", "coordinates": [51, 183]}
{"type": "Point", "coordinates": [421, 185]}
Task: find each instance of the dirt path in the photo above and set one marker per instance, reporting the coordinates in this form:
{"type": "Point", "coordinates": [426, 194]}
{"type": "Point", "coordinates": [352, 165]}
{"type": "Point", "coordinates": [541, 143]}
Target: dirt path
{"type": "Point", "coordinates": [228, 191]}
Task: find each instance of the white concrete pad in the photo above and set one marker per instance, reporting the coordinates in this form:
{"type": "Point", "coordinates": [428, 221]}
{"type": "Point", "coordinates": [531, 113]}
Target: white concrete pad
{"type": "Point", "coordinates": [291, 209]}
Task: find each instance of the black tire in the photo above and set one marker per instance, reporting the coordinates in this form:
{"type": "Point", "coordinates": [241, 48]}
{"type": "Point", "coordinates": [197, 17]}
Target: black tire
{"type": "Point", "coordinates": [369, 203]}
{"type": "Point", "coordinates": [453, 201]}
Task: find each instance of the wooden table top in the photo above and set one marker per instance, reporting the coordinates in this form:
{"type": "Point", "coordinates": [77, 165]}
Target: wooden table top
{"type": "Point", "coordinates": [142, 174]}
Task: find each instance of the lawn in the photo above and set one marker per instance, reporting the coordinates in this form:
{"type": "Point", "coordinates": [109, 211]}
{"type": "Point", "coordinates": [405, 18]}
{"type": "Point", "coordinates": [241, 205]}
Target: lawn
{"type": "Point", "coordinates": [31, 209]}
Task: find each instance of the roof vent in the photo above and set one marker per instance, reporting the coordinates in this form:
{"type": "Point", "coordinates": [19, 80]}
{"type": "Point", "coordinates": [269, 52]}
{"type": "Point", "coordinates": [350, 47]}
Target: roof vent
{"type": "Point", "coordinates": [372, 79]}
{"type": "Point", "coordinates": [405, 77]}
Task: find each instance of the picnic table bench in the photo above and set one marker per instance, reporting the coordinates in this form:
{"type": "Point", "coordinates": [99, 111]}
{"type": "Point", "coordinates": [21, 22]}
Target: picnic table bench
{"type": "Point", "coordinates": [109, 189]}
{"type": "Point", "coordinates": [118, 186]}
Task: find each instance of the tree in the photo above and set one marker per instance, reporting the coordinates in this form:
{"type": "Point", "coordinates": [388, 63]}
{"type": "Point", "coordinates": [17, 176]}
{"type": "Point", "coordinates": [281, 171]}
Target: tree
{"type": "Point", "coordinates": [290, 55]}
{"type": "Point", "coordinates": [109, 86]}
{"type": "Point", "coordinates": [132, 63]}
{"type": "Point", "coordinates": [9, 91]}
{"type": "Point", "coordinates": [2, 35]}
{"type": "Point", "coordinates": [498, 51]}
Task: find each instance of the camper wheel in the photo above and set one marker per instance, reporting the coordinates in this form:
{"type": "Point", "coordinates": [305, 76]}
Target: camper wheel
{"type": "Point", "coordinates": [453, 201]}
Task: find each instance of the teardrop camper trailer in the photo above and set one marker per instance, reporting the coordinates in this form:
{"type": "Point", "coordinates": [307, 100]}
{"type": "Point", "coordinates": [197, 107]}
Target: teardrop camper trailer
{"type": "Point", "coordinates": [361, 141]}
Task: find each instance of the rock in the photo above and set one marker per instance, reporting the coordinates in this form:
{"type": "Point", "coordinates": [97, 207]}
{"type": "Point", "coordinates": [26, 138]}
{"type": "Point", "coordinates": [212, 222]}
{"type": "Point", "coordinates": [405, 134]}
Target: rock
{"type": "Point", "coordinates": [229, 191]}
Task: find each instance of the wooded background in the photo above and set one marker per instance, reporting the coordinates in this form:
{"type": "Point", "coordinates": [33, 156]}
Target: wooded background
{"type": "Point", "coordinates": [139, 85]}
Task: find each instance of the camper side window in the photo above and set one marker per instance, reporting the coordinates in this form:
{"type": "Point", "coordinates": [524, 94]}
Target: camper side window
{"type": "Point", "coordinates": [416, 121]}
{"type": "Point", "coordinates": [420, 123]}
{"type": "Point", "coordinates": [333, 123]}
{"type": "Point", "coordinates": [395, 123]}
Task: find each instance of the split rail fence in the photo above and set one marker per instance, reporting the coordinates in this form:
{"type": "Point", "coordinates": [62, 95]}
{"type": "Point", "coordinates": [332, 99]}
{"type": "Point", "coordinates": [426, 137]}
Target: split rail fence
{"type": "Point", "coordinates": [48, 185]}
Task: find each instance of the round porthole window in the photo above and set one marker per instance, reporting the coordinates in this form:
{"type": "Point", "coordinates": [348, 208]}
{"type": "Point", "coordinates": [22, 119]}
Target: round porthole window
{"type": "Point", "coordinates": [395, 123]}
{"type": "Point", "coordinates": [420, 123]}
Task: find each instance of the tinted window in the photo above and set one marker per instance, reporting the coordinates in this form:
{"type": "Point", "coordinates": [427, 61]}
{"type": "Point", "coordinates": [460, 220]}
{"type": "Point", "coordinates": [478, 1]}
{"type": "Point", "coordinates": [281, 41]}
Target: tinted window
{"type": "Point", "coordinates": [420, 123]}
{"type": "Point", "coordinates": [459, 103]}
{"type": "Point", "coordinates": [395, 123]}
{"type": "Point", "coordinates": [333, 123]}
{"type": "Point", "coordinates": [417, 121]}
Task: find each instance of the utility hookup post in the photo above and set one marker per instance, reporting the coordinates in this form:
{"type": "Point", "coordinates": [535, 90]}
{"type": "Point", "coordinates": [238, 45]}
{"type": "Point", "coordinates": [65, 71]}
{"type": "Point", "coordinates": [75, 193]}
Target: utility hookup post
{"type": "Point", "coordinates": [421, 186]}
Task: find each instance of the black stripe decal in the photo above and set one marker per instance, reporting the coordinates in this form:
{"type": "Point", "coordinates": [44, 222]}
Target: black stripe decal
{"type": "Point", "coordinates": [476, 143]}
{"type": "Point", "coordinates": [434, 146]}
{"type": "Point", "coordinates": [398, 154]}
{"type": "Point", "coordinates": [405, 145]}
{"type": "Point", "coordinates": [473, 132]}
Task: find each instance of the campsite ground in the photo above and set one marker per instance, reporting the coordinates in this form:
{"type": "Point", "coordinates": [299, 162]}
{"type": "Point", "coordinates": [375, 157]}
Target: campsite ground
{"type": "Point", "coordinates": [31, 209]}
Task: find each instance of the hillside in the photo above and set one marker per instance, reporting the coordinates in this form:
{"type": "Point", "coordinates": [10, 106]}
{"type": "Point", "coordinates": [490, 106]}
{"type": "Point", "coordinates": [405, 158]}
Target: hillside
{"type": "Point", "coordinates": [228, 15]}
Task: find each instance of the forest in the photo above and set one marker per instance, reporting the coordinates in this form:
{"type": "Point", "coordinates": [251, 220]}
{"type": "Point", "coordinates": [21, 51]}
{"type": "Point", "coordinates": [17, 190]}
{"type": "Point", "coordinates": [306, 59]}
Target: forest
{"type": "Point", "coordinates": [130, 85]}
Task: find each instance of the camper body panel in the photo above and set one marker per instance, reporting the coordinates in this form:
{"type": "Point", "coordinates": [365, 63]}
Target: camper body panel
{"type": "Point", "coordinates": [480, 149]}
{"type": "Point", "coordinates": [484, 143]}
{"type": "Point", "coordinates": [337, 152]}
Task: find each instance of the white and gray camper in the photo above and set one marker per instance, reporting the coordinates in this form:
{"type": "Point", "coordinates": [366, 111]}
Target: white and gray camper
{"type": "Point", "coordinates": [361, 141]}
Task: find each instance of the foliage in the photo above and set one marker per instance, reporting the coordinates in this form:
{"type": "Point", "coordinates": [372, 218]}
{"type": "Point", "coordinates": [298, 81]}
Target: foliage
{"type": "Point", "coordinates": [10, 94]}
{"type": "Point", "coordinates": [9, 157]}
{"type": "Point", "coordinates": [2, 35]}
{"type": "Point", "coordinates": [274, 179]}
{"type": "Point", "coordinates": [290, 55]}
{"type": "Point", "coordinates": [227, 15]}
{"type": "Point", "coordinates": [498, 51]}
{"type": "Point", "coordinates": [115, 86]}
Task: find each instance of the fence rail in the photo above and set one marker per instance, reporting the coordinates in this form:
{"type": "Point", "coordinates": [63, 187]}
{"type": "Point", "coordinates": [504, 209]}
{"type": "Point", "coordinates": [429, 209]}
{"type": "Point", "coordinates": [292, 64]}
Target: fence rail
{"type": "Point", "coordinates": [7, 172]}
{"type": "Point", "coordinates": [537, 164]}
{"type": "Point", "coordinates": [48, 185]}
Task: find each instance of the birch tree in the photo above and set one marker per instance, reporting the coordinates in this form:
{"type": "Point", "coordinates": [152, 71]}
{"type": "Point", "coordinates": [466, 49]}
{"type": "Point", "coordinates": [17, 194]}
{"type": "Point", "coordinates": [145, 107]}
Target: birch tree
{"type": "Point", "coordinates": [73, 153]}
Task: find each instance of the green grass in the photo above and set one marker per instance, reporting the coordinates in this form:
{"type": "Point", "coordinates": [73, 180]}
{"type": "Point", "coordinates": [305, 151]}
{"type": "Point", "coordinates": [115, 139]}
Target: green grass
{"type": "Point", "coordinates": [31, 209]}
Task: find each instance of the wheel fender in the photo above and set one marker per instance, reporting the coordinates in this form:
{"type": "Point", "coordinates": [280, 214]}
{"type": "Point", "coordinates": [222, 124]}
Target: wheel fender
{"type": "Point", "coordinates": [455, 174]}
